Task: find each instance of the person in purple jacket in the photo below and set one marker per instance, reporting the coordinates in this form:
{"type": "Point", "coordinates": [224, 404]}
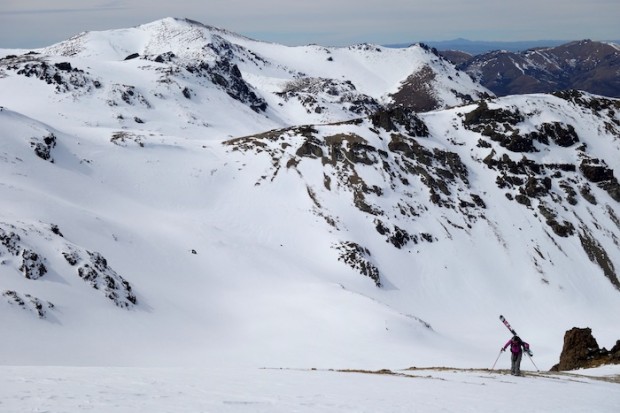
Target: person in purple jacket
{"type": "Point", "coordinates": [516, 349]}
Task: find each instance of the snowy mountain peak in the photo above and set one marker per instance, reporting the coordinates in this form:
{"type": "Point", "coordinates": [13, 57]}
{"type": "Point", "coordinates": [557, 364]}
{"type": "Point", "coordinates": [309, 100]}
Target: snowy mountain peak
{"type": "Point", "coordinates": [182, 37]}
{"type": "Point", "coordinates": [178, 65]}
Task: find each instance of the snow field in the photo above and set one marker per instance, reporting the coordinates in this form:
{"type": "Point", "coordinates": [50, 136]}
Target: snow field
{"type": "Point", "coordinates": [119, 390]}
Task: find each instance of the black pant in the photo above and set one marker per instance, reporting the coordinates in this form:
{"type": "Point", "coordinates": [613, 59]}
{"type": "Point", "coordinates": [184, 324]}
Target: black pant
{"type": "Point", "coordinates": [515, 368]}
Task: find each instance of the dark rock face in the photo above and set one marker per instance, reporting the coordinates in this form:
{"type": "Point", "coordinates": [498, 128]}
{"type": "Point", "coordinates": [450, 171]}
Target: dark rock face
{"type": "Point", "coordinates": [95, 270]}
{"type": "Point", "coordinates": [582, 351]}
{"type": "Point", "coordinates": [597, 172]}
{"type": "Point", "coordinates": [389, 119]}
{"type": "Point", "coordinates": [358, 258]}
{"type": "Point", "coordinates": [32, 266]}
{"type": "Point", "coordinates": [19, 253]}
{"type": "Point", "coordinates": [226, 75]}
{"type": "Point", "coordinates": [43, 146]}
{"type": "Point", "coordinates": [529, 182]}
{"type": "Point", "coordinates": [315, 93]}
{"type": "Point", "coordinates": [28, 302]}
{"type": "Point", "coordinates": [64, 77]}
{"type": "Point", "coordinates": [419, 91]}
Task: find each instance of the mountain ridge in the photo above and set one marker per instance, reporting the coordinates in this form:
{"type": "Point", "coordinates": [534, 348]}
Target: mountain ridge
{"type": "Point", "coordinates": [475, 47]}
{"type": "Point", "coordinates": [583, 65]}
{"type": "Point", "coordinates": [176, 214]}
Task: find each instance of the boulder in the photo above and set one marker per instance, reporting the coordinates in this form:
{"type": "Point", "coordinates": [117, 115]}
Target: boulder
{"type": "Point", "coordinates": [582, 351]}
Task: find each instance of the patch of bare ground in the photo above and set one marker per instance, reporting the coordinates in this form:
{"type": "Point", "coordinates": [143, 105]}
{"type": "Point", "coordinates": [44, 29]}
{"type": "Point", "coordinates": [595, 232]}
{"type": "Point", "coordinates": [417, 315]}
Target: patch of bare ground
{"type": "Point", "coordinates": [426, 372]}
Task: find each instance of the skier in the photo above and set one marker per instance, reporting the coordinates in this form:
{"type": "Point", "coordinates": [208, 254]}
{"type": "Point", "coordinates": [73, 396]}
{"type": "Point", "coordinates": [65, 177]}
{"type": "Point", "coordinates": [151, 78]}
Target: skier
{"type": "Point", "coordinates": [516, 349]}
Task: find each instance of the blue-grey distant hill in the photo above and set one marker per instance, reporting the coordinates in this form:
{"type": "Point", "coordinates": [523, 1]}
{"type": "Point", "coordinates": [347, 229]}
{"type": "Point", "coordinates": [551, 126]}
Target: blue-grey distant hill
{"type": "Point", "coordinates": [475, 47]}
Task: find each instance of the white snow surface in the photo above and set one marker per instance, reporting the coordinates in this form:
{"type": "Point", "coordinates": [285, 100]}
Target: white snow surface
{"type": "Point", "coordinates": [137, 390]}
{"type": "Point", "coordinates": [242, 302]}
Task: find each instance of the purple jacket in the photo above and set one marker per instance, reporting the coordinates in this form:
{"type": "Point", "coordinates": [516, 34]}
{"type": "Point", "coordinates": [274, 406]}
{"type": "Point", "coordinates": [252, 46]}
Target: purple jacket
{"type": "Point", "coordinates": [515, 345]}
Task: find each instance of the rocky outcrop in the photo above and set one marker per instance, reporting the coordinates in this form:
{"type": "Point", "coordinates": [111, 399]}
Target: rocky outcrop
{"type": "Point", "coordinates": [226, 75]}
{"type": "Point", "coordinates": [94, 269]}
{"type": "Point", "coordinates": [29, 303]}
{"type": "Point", "coordinates": [22, 250]}
{"type": "Point", "coordinates": [317, 94]}
{"type": "Point", "coordinates": [511, 142]}
{"type": "Point", "coordinates": [358, 258]}
{"type": "Point", "coordinates": [126, 95]}
{"type": "Point", "coordinates": [582, 351]}
{"type": "Point", "coordinates": [390, 144]}
{"type": "Point", "coordinates": [43, 146]}
{"type": "Point", "coordinates": [27, 260]}
{"type": "Point", "coordinates": [62, 75]}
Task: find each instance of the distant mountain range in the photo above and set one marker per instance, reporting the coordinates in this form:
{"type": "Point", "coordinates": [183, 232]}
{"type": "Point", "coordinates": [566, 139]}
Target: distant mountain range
{"type": "Point", "coordinates": [585, 65]}
{"type": "Point", "coordinates": [475, 47]}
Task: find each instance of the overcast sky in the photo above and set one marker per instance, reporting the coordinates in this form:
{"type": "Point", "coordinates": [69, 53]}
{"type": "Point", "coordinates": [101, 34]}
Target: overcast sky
{"type": "Point", "coordinates": [36, 23]}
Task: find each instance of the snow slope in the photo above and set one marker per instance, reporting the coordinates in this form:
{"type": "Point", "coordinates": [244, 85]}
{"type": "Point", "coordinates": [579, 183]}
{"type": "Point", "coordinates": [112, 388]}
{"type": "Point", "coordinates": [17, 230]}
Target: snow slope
{"type": "Point", "coordinates": [154, 213]}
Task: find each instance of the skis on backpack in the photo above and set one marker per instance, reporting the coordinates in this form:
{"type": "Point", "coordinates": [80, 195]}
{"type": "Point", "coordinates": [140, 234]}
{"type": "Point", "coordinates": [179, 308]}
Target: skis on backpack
{"type": "Point", "coordinates": [514, 333]}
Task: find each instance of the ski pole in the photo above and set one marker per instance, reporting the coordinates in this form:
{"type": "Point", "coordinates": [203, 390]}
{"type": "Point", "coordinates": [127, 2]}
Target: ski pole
{"type": "Point", "coordinates": [528, 354]}
{"type": "Point", "coordinates": [498, 356]}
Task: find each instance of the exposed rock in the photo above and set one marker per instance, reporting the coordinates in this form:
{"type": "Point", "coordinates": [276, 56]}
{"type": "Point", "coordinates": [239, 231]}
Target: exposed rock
{"type": "Point", "coordinates": [310, 148]}
{"type": "Point", "coordinates": [164, 57]}
{"type": "Point", "coordinates": [417, 91]}
{"type": "Point", "coordinates": [19, 252]}
{"type": "Point", "coordinates": [123, 138]}
{"type": "Point", "coordinates": [598, 255]}
{"type": "Point", "coordinates": [483, 114]}
{"type": "Point", "coordinates": [597, 172]}
{"type": "Point", "coordinates": [10, 241]}
{"type": "Point", "coordinates": [63, 75]}
{"type": "Point", "coordinates": [389, 119]}
{"type": "Point", "coordinates": [128, 94]}
{"type": "Point", "coordinates": [56, 230]}
{"type": "Point", "coordinates": [393, 145]}
{"type": "Point", "coordinates": [95, 270]}
{"type": "Point", "coordinates": [358, 258]}
{"type": "Point", "coordinates": [581, 350]}
{"type": "Point", "coordinates": [32, 265]}
{"type": "Point", "coordinates": [226, 75]}
{"type": "Point", "coordinates": [315, 93]}
{"type": "Point", "coordinates": [28, 302]}
{"type": "Point", "coordinates": [562, 135]}
{"type": "Point", "coordinates": [43, 147]}
{"type": "Point", "coordinates": [596, 105]}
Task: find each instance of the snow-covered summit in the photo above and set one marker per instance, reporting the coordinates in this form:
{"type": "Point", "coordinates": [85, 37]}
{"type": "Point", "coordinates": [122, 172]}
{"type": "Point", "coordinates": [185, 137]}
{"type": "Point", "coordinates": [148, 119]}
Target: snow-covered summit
{"type": "Point", "coordinates": [182, 36]}
{"type": "Point", "coordinates": [376, 72]}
